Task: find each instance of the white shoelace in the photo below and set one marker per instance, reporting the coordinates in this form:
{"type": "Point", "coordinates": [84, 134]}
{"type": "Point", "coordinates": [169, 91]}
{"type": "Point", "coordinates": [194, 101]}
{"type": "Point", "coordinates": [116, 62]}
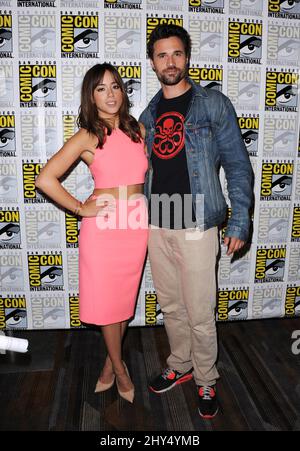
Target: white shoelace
{"type": "Point", "coordinates": [206, 392]}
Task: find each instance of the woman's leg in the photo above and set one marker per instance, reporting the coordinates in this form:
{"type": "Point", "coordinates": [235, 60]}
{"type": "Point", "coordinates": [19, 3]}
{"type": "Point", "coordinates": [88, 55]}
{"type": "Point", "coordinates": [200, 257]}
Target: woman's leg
{"type": "Point", "coordinates": [113, 335]}
{"type": "Point", "coordinates": [107, 371]}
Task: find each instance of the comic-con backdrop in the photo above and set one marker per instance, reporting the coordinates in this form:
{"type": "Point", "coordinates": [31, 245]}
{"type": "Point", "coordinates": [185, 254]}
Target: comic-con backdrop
{"type": "Point", "coordinates": [248, 49]}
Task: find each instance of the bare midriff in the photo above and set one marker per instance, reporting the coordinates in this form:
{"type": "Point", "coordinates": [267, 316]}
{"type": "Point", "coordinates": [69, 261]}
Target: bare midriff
{"type": "Point", "coordinates": [120, 192]}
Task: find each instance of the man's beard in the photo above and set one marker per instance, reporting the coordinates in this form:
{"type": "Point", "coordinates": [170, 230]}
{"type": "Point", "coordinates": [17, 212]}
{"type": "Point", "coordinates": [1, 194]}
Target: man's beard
{"type": "Point", "coordinates": [171, 80]}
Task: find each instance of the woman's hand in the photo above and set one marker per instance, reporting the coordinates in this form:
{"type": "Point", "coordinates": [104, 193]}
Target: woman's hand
{"type": "Point", "coordinates": [97, 207]}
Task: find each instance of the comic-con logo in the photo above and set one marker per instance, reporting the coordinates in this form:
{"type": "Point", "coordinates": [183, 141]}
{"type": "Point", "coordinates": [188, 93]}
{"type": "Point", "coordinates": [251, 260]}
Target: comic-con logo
{"type": "Point", "coordinates": [273, 223]}
{"type": "Point", "coordinates": [286, 9]}
{"type": "Point", "coordinates": [48, 311]}
{"type": "Point", "coordinates": [295, 236]}
{"type": "Point", "coordinates": [292, 301]}
{"type": "Point", "coordinates": [10, 231]}
{"type": "Point", "coordinates": [249, 127]}
{"type": "Point", "coordinates": [72, 265]}
{"type": "Point", "coordinates": [153, 20]}
{"type": "Point", "coordinates": [13, 312]}
{"type": "Point", "coordinates": [281, 91]}
{"type": "Point", "coordinates": [45, 271]}
{"type": "Point", "coordinates": [294, 263]}
{"type": "Point", "coordinates": [169, 135]}
{"type": "Point", "coordinates": [75, 322]}
{"type": "Point", "coordinates": [79, 36]}
{"type": "Point", "coordinates": [30, 172]}
{"type": "Point", "coordinates": [72, 228]}
{"type": "Point", "coordinates": [207, 6]}
{"type": "Point", "coordinates": [270, 264]}
{"type": "Point", "coordinates": [207, 38]}
{"type": "Point", "coordinates": [6, 46]}
{"type": "Point", "coordinates": [37, 85]}
{"type": "Point", "coordinates": [38, 133]}
{"type": "Point", "coordinates": [69, 126]}
{"type": "Point", "coordinates": [232, 304]}
{"type": "Point", "coordinates": [7, 135]}
{"type": "Point", "coordinates": [267, 301]}
{"type": "Point", "coordinates": [43, 228]}
{"type": "Point", "coordinates": [71, 80]}
{"type": "Point", "coordinates": [8, 181]}
{"type": "Point", "coordinates": [152, 82]}
{"type": "Point", "coordinates": [208, 77]}
{"type": "Point", "coordinates": [36, 35]}
{"type": "Point", "coordinates": [280, 135]}
{"type": "Point", "coordinates": [233, 271]}
{"type": "Point", "coordinates": [153, 314]}
{"type": "Point", "coordinates": [131, 76]}
{"type": "Point", "coordinates": [276, 181]}
{"type": "Point", "coordinates": [130, 4]}
{"type": "Point", "coordinates": [283, 44]}
{"type": "Point", "coordinates": [244, 42]}
{"type": "Point", "coordinates": [243, 87]}
{"type": "Point", "coordinates": [122, 35]}
{"type": "Point", "coordinates": [11, 270]}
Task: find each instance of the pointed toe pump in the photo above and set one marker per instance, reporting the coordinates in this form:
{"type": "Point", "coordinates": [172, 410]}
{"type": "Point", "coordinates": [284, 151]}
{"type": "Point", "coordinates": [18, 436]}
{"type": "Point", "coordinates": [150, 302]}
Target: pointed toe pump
{"type": "Point", "coordinates": [101, 386]}
{"type": "Point", "coordinates": [127, 395]}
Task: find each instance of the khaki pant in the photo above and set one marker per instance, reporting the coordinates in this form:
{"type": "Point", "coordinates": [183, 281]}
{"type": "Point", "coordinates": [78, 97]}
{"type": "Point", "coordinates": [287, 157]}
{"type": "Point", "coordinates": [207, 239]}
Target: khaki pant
{"type": "Point", "coordinates": [184, 278]}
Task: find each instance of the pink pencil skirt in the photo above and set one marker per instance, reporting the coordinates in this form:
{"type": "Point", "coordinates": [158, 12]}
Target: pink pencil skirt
{"type": "Point", "coordinates": [112, 252]}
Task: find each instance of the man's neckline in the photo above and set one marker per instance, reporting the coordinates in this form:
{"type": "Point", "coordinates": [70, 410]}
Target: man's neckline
{"type": "Point", "coordinates": [177, 97]}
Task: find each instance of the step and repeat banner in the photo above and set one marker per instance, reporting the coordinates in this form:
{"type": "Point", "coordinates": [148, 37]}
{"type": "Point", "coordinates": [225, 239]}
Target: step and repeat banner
{"type": "Point", "coordinates": [248, 49]}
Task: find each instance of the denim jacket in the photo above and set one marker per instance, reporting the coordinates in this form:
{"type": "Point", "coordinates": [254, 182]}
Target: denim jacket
{"type": "Point", "coordinates": [212, 139]}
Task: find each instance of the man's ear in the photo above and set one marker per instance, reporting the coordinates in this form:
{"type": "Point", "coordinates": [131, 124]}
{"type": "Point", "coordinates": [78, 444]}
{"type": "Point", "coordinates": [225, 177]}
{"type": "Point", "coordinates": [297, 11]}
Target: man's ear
{"type": "Point", "coordinates": [152, 65]}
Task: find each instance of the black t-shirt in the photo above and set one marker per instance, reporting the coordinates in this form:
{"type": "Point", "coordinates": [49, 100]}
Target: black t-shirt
{"type": "Point", "coordinates": [170, 173]}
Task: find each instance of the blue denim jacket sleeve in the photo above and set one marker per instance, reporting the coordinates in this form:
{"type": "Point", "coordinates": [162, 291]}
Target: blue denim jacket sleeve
{"type": "Point", "coordinates": [235, 161]}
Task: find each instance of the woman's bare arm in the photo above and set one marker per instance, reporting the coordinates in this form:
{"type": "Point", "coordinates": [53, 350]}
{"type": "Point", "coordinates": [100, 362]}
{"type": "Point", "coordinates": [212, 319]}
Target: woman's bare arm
{"type": "Point", "coordinates": [48, 179]}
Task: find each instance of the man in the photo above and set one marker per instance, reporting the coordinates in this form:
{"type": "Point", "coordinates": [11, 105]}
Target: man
{"type": "Point", "coordinates": [190, 132]}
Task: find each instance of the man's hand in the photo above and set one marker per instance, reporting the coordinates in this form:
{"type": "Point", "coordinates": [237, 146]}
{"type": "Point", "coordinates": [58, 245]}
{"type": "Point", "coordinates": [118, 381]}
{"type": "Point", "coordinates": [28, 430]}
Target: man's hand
{"type": "Point", "coordinates": [234, 244]}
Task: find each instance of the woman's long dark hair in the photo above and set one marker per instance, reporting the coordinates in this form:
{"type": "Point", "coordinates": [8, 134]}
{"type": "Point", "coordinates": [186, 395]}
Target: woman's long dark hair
{"type": "Point", "coordinates": [88, 117]}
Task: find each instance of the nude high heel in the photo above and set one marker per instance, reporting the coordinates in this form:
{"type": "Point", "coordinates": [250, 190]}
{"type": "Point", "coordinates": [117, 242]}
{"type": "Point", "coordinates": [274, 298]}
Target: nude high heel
{"type": "Point", "coordinates": [101, 386]}
{"type": "Point", "coordinates": [127, 395]}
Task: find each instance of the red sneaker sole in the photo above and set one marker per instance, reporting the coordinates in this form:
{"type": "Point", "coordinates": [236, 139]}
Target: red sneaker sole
{"type": "Point", "coordinates": [184, 379]}
{"type": "Point", "coordinates": [208, 417]}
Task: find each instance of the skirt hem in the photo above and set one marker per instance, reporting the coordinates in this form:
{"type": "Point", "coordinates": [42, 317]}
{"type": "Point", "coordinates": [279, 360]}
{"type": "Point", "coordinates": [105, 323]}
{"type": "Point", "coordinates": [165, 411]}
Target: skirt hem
{"type": "Point", "coordinates": [106, 324]}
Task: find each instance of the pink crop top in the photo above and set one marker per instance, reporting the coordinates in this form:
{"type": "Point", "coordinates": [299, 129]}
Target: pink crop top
{"type": "Point", "coordinates": [120, 162]}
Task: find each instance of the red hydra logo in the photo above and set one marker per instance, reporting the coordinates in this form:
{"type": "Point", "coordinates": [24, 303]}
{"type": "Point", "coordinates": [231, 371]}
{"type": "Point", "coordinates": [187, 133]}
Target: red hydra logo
{"type": "Point", "coordinates": [169, 136]}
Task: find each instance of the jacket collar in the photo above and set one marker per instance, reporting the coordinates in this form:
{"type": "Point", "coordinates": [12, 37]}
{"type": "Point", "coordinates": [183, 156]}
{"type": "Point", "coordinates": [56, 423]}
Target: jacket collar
{"type": "Point", "coordinates": [198, 91]}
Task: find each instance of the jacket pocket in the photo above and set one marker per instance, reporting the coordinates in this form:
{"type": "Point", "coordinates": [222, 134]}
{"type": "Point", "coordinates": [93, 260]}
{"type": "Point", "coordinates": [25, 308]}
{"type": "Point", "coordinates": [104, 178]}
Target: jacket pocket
{"type": "Point", "coordinates": [203, 132]}
{"type": "Point", "coordinates": [199, 130]}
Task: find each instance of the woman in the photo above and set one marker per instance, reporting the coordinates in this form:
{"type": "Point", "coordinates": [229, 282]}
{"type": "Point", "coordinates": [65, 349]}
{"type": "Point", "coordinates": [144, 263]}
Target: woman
{"type": "Point", "coordinates": [113, 233]}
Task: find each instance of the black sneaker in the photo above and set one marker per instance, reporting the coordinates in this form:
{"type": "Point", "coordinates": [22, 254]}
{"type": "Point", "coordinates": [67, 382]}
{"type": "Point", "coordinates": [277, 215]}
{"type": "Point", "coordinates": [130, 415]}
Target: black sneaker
{"type": "Point", "coordinates": [208, 403]}
{"type": "Point", "coordinates": [168, 379]}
